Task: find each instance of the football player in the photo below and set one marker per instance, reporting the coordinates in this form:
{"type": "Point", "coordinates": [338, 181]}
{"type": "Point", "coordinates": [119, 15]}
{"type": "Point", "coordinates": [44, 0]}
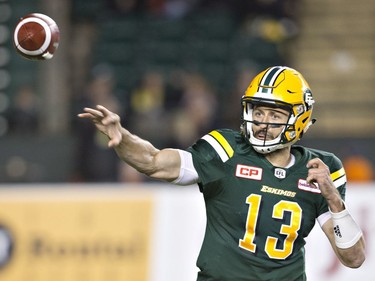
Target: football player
{"type": "Point", "coordinates": [263, 193]}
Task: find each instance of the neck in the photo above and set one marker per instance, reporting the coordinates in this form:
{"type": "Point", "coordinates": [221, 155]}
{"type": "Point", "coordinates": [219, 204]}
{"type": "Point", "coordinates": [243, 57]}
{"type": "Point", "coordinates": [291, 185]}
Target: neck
{"type": "Point", "coordinates": [280, 158]}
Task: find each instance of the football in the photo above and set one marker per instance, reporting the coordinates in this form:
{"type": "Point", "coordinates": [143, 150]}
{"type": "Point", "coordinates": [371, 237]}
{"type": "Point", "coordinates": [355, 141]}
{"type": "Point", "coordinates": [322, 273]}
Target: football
{"type": "Point", "coordinates": [36, 37]}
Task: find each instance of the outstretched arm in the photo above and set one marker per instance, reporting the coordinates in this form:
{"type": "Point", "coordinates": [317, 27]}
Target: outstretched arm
{"type": "Point", "coordinates": [342, 231]}
{"type": "Point", "coordinates": [138, 153]}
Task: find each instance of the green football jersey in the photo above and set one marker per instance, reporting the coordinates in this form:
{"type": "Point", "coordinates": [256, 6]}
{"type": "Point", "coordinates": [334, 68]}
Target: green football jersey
{"type": "Point", "coordinates": [258, 215]}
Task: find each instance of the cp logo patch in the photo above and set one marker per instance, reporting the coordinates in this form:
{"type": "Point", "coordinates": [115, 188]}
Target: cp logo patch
{"type": "Point", "coordinates": [249, 172]}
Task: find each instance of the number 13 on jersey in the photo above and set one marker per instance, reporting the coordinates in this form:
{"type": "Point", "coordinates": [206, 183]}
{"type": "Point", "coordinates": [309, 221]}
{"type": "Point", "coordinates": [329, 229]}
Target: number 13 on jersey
{"type": "Point", "coordinates": [290, 230]}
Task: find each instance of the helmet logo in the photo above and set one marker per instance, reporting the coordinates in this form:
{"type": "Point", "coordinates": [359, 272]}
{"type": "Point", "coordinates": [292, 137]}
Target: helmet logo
{"type": "Point", "coordinates": [309, 100]}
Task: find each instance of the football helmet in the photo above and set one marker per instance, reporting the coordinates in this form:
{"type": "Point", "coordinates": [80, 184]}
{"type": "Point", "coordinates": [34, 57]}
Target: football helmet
{"type": "Point", "coordinates": [278, 87]}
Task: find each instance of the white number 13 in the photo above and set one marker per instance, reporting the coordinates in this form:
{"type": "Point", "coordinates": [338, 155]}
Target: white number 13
{"type": "Point", "coordinates": [290, 230]}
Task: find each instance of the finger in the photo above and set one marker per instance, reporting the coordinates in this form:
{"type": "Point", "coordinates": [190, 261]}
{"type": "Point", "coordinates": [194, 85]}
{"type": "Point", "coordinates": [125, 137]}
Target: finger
{"type": "Point", "coordinates": [85, 115]}
{"type": "Point", "coordinates": [111, 119]}
{"type": "Point", "coordinates": [113, 142]}
{"type": "Point", "coordinates": [314, 163]}
{"type": "Point", "coordinates": [313, 170]}
{"type": "Point", "coordinates": [104, 110]}
{"type": "Point", "coordinates": [94, 112]}
{"type": "Point", "coordinates": [115, 139]}
{"type": "Point", "coordinates": [310, 179]}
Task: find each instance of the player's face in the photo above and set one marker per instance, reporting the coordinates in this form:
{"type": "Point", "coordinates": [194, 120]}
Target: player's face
{"type": "Point", "coordinates": [268, 122]}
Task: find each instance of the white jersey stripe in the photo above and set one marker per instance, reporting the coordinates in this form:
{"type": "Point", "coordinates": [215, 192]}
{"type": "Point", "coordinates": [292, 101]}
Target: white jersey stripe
{"type": "Point", "coordinates": [218, 148]}
{"type": "Point", "coordinates": [340, 181]}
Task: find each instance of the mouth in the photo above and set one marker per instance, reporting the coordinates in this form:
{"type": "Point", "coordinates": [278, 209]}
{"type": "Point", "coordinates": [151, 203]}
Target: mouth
{"type": "Point", "coordinates": [262, 135]}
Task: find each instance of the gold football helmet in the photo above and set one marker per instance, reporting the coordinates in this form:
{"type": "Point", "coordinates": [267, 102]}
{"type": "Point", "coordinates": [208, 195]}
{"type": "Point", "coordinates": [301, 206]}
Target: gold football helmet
{"type": "Point", "coordinates": [280, 87]}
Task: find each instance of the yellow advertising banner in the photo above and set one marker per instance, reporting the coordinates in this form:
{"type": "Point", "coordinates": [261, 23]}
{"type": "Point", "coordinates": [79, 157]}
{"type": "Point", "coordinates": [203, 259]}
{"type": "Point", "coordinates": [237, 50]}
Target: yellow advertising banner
{"type": "Point", "coordinates": [70, 235]}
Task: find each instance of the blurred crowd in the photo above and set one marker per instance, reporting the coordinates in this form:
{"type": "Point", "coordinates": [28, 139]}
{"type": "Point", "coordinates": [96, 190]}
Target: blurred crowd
{"type": "Point", "coordinates": [170, 109]}
{"type": "Point", "coordinates": [176, 108]}
{"type": "Point", "coordinates": [170, 112]}
{"type": "Point", "coordinates": [181, 8]}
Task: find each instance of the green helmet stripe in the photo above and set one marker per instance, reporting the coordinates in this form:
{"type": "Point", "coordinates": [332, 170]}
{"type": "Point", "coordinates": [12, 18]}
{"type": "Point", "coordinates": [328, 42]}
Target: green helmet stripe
{"type": "Point", "coordinates": [269, 79]}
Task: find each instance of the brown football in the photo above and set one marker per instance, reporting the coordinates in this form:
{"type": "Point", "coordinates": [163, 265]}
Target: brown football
{"type": "Point", "coordinates": [36, 37]}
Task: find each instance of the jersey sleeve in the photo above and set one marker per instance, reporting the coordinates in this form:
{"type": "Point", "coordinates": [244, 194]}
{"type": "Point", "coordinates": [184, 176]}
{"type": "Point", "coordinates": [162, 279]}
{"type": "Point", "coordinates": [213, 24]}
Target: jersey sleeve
{"type": "Point", "coordinates": [210, 153]}
{"type": "Point", "coordinates": [188, 175]}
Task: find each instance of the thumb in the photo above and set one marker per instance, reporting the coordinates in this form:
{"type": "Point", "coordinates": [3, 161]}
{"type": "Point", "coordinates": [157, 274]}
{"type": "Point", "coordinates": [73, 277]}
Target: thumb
{"type": "Point", "coordinates": [115, 138]}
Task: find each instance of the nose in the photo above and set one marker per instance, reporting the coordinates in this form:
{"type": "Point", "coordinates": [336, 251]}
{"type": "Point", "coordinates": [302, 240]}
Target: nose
{"type": "Point", "coordinates": [260, 123]}
{"type": "Point", "coordinates": [262, 120]}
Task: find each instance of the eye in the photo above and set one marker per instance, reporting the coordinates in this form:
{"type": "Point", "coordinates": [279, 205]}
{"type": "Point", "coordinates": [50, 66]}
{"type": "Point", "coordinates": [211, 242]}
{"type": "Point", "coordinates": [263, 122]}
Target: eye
{"type": "Point", "coordinates": [257, 113]}
{"type": "Point", "coordinates": [275, 116]}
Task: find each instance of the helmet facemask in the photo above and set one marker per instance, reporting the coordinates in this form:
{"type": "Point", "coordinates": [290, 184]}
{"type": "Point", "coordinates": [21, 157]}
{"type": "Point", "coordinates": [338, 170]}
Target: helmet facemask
{"type": "Point", "coordinates": [267, 146]}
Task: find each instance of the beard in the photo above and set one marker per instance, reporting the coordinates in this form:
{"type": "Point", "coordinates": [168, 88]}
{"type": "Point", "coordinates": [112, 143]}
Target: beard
{"type": "Point", "coordinates": [266, 134]}
{"type": "Point", "coordinates": [263, 134]}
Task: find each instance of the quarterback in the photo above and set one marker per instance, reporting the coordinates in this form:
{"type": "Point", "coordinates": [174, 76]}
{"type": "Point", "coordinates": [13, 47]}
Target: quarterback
{"type": "Point", "coordinates": [263, 193]}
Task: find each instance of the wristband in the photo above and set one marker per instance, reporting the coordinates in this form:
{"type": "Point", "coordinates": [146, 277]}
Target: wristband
{"type": "Point", "coordinates": [346, 230]}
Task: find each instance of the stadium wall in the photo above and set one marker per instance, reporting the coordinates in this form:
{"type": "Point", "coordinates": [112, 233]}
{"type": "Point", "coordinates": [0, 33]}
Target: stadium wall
{"type": "Point", "coordinates": [145, 232]}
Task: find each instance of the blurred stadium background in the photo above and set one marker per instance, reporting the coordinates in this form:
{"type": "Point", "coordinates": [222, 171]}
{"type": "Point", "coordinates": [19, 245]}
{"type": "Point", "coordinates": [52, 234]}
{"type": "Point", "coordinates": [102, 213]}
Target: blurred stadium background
{"type": "Point", "coordinates": [173, 69]}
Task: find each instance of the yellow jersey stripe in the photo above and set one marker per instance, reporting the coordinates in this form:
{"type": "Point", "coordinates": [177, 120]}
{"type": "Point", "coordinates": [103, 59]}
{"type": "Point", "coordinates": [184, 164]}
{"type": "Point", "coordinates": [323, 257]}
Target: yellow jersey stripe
{"type": "Point", "coordinates": [223, 142]}
{"type": "Point", "coordinates": [337, 174]}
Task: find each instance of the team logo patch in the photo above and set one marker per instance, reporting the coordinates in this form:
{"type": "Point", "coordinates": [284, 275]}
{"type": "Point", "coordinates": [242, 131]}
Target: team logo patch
{"type": "Point", "coordinates": [310, 187]}
{"type": "Point", "coordinates": [280, 173]}
{"type": "Point", "coordinates": [249, 172]}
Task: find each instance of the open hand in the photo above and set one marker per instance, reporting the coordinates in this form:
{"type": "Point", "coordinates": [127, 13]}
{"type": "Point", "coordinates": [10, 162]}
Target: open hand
{"type": "Point", "coordinates": [106, 122]}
